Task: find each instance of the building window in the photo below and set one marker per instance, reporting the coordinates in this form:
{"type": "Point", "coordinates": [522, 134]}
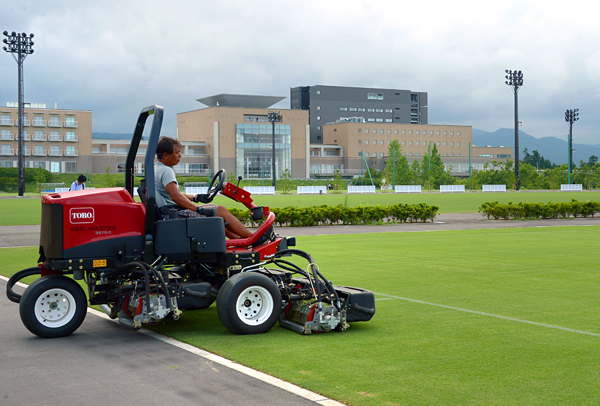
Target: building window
{"type": "Point", "coordinates": [360, 130]}
{"type": "Point", "coordinates": [361, 109]}
{"type": "Point", "coordinates": [458, 133]}
{"type": "Point", "coordinates": [451, 132]}
{"type": "Point", "coordinates": [343, 108]}
{"type": "Point", "coordinates": [388, 120]}
{"type": "Point", "coordinates": [359, 142]}
{"type": "Point", "coordinates": [374, 96]}
{"type": "Point", "coordinates": [457, 154]}
{"type": "Point", "coordinates": [445, 132]}
{"type": "Point", "coordinates": [318, 107]}
{"type": "Point", "coordinates": [367, 142]}
{"type": "Point", "coordinates": [410, 154]}
{"type": "Point", "coordinates": [370, 120]}
{"type": "Point", "coordinates": [381, 155]}
{"type": "Point", "coordinates": [403, 142]}
{"type": "Point", "coordinates": [318, 117]}
{"type": "Point", "coordinates": [418, 154]}
{"type": "Point", "coordinates": [6, 120]}
{"type": "Point", "coordinates": [367, 154]}
{"type": "Point", "coordinates": [6, 164]}
{"type": "Point", "coordinates": [96, 150]}
{"type": "Point", "coordinates": [445, 143]}
{"type": "Point", "coordinates": [366, 131]}
{"type": "Point", "coordinates": [352, 108]}
{"type": "Point", "coordinates": [410, 132]}
{"type": "Point", "coordinates": [318, 127]}
{"type": "Point", "coordinates": [379, 120]}
{"type": "Point", "coordinates": [438, 133]}
{"type": "Point", "coordinates": [378, 110]}
{"type": "Point", "coordinates": [438, 143]}
{"type": "Point", "coordinates": [409, 142]}
{"type": "Point", "coordinates": [70, 167]}
{"type": "Point", "coordinates": [54, 121]}
{"type": "Point", "coordinates": [452, 144]}
{"type": "Point", "coordinates": [38, 164]}
{"type": "Point", "coordinates": [458, 144]}
{"type": "Point", "coordinates": [381, 142]}
{"type": "Point", "coordinates": [39, 121]}
{"type": "Point", "coordinates": [417, 132]}
{"type": "Point", "coordinates": [55, 167]}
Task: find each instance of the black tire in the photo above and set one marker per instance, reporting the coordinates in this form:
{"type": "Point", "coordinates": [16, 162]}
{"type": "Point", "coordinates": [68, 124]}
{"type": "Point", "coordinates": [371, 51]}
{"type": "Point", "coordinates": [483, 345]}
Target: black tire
{"type": "Point", "coordinates": [41, 312]}
{"type": "Point", "coordinates": [249, 303]}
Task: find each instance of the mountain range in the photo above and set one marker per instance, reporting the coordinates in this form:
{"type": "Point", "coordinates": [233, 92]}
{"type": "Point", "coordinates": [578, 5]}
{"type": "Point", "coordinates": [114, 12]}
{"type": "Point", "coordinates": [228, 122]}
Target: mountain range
{"type": "Point", "coordinates": [551, 148]}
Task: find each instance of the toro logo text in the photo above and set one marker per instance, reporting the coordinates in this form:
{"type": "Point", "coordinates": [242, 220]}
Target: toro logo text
{"type": "Point", "coordinates": [81, 215]}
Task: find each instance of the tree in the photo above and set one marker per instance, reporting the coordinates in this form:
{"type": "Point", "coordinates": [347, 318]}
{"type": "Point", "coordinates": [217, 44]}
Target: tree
{"type": "Point", "coordinates": [286, 181]}
{"type": "Point", "coordinates": [401, 176]}
{"type": "Point", "coordinates": [592, 161]}
{"type": "Point", "coordinates": [436, 171]}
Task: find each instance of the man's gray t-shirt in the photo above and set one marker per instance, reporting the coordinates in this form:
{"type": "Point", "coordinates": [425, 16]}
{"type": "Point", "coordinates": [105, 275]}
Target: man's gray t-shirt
{"type": "Point", "coordinates": [163, 175]}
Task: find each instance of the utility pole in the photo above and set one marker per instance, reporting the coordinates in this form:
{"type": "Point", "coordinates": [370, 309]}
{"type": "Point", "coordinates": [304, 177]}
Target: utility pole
{"type": "Point", "coordinates": [21, 45]}
{"type": "Point", "coordinates": [570, 117]}
{"type": "Point", "coordinates": [515, 80]}
{"type": "Point", "coordinates": [274, 117]}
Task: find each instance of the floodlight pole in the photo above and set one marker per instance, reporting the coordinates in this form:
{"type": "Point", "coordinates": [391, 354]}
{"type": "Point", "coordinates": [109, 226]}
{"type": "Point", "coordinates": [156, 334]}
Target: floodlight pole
{"type": "Point", "coordinates": [514, 79]}
{"type": "Point", "coordinates": [570, 117]}
{"type": "Point", "coordinates": [274, 117]}
{"type": "Point", "coordinates": [21, 45]}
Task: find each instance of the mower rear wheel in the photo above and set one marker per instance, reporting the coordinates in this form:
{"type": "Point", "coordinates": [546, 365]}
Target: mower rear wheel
{"type": "Point", "coordinates": [53, 306]}
{"type": "Point", "coordinates": [249, 303]}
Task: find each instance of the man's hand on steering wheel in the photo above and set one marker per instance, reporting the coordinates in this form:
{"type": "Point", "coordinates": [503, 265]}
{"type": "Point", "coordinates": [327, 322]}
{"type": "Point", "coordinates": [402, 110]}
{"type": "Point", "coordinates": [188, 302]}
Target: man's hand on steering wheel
{"type": "Point", "coordinates": [212, 191]}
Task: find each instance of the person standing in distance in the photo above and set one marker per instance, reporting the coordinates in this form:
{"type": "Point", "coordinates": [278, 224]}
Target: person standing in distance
{"type": "Point", "coordinates": [79, 184]}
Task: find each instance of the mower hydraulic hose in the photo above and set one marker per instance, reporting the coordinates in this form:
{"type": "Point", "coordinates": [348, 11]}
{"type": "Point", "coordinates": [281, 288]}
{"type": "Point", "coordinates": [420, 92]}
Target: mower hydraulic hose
{"type": "Point", "coordinates": [316, 274]}
{"type": "Point", "coordinates": [15, 297]}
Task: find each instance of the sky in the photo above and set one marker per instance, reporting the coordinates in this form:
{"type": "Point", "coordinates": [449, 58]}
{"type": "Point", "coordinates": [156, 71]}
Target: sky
{"type": "Point", "coordinates": [117, 57]}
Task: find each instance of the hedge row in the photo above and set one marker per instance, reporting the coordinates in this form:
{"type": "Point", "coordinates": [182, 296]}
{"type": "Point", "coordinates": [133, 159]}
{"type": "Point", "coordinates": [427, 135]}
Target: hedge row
{"type": "Point", "coordinates": [551, 210]}
{"type": "Point", "coordinates": [342, 215]}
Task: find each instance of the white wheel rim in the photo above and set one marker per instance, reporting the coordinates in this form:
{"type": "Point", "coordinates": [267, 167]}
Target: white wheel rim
{"type": "Point", "coordinates": [55, 308]}
{"type": "Point", "coordinates": [254, 305]}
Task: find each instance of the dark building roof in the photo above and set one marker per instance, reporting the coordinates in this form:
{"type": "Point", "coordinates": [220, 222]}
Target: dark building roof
{"type": "Point", "coordinates": [240, 100]}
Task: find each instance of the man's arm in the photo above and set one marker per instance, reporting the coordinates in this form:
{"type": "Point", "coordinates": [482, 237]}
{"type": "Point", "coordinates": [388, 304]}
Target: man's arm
{"type": "Point", "coordinates": [179, 198]}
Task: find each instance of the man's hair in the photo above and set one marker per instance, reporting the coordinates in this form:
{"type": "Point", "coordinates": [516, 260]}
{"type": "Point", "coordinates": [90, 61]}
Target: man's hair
{"type": "Point", "coordinates": [165, 146]}
{"type": "Point", "coordinates": [81, 178]}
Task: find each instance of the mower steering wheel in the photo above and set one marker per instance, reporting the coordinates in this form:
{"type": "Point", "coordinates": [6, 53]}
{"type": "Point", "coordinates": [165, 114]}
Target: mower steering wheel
{"type": "Point", "coordinates": [212, 191]}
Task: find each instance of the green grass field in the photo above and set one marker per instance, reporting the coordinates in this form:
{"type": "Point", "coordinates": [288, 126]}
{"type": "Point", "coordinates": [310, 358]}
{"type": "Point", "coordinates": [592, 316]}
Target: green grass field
{"type": "Point", "coordinates": [474, 317]}
{"type": "Point", "coordinates": [25, 211]}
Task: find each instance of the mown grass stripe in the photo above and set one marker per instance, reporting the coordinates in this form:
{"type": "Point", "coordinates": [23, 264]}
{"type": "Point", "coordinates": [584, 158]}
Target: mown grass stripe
{"type": "Point", "coordinates": [460, 309]}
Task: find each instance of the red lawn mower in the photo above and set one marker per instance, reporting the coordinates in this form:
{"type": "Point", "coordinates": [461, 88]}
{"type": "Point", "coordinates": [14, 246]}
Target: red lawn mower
{"type": "Point", "coordinates": [143, 264]}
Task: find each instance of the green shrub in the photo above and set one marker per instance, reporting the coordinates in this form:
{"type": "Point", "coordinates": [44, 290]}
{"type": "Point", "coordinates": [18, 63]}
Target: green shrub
{"type": "Point", "coordinates": [534, 211]}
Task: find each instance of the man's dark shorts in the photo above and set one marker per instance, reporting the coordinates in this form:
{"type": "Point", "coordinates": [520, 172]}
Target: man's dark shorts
{"type": "Point", "coordinates": [208, 210]}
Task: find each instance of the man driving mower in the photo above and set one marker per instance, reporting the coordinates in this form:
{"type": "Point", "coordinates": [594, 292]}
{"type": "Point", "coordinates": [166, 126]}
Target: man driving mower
{"type": "Point", "coordinates": [168, 153]}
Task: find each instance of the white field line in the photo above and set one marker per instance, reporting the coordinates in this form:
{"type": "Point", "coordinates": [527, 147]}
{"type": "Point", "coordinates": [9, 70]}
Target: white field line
{"type": "Point", "coordinates": [279, 383]}
{"type": "Point", "coordinates": [497, 316]}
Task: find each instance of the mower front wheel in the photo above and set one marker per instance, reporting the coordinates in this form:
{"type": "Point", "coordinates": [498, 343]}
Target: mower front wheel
{"type": "Point", "coordinates": [249, 303]}
{"type": "Point", "coordinates": [53, 306]}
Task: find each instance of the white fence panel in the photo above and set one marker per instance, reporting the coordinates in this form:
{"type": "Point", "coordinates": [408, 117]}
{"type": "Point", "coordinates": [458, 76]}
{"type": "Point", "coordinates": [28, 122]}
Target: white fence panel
{"type": "Point", "coordinates": [493, 188]}
{"type": "Point", "coordinates": [452, 188]}
{"type": "Point", "coordinates": [61, 189]}
{"type": "Point", "coordinates": [260, 190]}
{"type": "Point", "coordinates": [408, 189]}
{"type": "Point", "coordinates": [312, 190]}
{"type": "Point", "coordinates": [361, 189]}
{"type": "Point", "coordinates": [571, 188]}
{"type": "Point", "coordinates": [196, 190]}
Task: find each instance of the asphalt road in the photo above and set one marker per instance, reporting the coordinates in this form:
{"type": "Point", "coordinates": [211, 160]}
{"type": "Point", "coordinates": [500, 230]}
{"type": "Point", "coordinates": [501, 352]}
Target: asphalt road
{"type": "Point", "coordinates": [105, 362]}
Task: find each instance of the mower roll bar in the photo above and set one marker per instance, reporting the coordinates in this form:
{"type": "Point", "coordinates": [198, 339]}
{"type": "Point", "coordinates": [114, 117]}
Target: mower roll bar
{"type": "Point", "coordinates": [158, 113]}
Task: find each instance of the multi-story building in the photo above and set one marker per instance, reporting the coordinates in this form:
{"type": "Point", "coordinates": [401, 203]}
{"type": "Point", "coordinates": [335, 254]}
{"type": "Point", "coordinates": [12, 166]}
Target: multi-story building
{"type": "Point", "coordinates": [54, 139]}
{"type": "Point", "coordinates": [350, 146]}
{"type": "Point", "coordinates": [236, 135]}
{"type": "Point", "coordinates": [330, 104]}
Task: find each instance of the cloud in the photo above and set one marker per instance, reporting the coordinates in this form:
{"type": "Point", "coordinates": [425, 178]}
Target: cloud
{"type": "Point", "coordinates": [116, 57]}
